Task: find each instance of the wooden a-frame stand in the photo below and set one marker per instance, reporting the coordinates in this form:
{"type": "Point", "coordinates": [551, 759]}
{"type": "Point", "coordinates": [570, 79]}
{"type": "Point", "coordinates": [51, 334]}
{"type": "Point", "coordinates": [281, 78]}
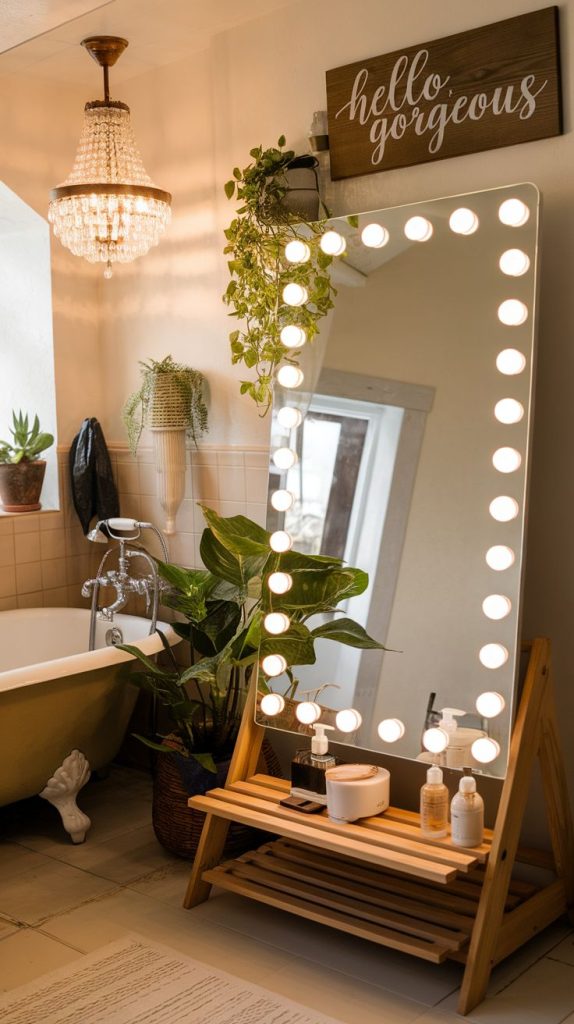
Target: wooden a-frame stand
{"type": "Point", "coordinates": [380, 879]}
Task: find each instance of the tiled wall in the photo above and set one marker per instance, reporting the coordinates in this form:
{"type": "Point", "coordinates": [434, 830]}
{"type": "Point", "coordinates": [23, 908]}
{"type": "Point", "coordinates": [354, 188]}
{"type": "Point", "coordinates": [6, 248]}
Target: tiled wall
{"type": "Point", "coordinates": [44, 558]}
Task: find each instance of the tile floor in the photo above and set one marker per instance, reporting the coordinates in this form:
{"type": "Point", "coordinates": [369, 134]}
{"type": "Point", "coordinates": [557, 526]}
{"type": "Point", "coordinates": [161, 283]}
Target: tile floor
{"type": "Point", "coordinates": [58, 902]}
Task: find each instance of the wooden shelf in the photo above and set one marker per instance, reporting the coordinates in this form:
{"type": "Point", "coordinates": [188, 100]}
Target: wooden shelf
{"type": "Point", "coordinates": [379, 878]}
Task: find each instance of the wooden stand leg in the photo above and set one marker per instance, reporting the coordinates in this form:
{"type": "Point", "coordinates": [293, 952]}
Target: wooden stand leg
{"type": "Point", "coordinates": [214, 832]}
{"type": "Point", "coordinates": [556, 800]}
{"type": "Point", "coordinates": [523, 750]}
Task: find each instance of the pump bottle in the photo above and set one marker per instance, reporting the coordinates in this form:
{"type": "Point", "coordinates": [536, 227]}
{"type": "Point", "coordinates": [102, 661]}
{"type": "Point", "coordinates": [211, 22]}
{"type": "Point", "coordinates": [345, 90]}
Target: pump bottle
{"type": "Point", "coordinates": [434, 805]}
{"type": "Point", "coordinates": [467, 814]}
{"type": "Point", "coordinates": [308, 767]}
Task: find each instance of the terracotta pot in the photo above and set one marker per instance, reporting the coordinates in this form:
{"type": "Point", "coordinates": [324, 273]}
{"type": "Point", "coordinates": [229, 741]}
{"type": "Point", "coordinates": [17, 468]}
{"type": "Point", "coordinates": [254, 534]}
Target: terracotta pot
{"type": "Point", "coordinates": [21, 485]}
{"type": "Point", "coordinates": [178, 827]}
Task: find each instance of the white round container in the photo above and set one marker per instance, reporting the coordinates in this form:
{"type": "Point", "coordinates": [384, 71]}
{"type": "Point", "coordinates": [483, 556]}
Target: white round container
{"type": "Point", "coordinates": [356, 791]}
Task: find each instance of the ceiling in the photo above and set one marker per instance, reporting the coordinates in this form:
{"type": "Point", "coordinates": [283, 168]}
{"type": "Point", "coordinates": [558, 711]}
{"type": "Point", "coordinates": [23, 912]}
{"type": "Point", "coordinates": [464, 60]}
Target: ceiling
{"type": "Point", "coordinates": [41, 37]}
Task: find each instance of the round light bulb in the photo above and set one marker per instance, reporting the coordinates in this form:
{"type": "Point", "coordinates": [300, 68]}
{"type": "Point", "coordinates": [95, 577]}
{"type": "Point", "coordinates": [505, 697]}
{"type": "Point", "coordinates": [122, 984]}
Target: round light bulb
{"type": "Point", "coordinates": [485, 750]}
{"type": "Point", "coordinates": [514, 262]}
{"type": "Point", "coordinates": [391, 729]}
{"type": "Point", "coordinates": [284, 458]}
{"type": "Point", "coordinates": [499, 557]}
{"type": "Point", "coordinates": [297, 251]}
{"type": "Point", "coordinates": [279, 582]}
{"type": "Point", "coordinates": [510, 362]}
{"type": "Point", "coordinates": [435, 740]}
{"type": "Point", "coordinates": [463, 221]}
{"type": "Point", "coordinates": [508, 410]}
{"type": "Point", "coordinates": [506, 460]}
{"type": "Point", "coordinates": [290, 376]}
{"type": "Point", "coordinates": [418, 229]}
{"type": "Point", "coordinates": [513, 212]}
{"type": "Point", "coordinates": [272, 704]}
{"type": "Point", "coordinates": [295, 294]}
{"type": "Point", "coordinates": [282, 500]}
{"type": "Point", "coordinates": [504, 508]}
{"type": "Point", "coordinates": [308, 712]}
{"type": "Point", "coordinates": [348, 720]}
{"type": "Point", "coordinates": [332, 243]}
{"type": "Point", "coordinates": [375, 236]}
{"type": "Point", "coordinates": [512, 312]}
{"type": "Point", "coordinates": [276, 623]}
{"type": "Point", "coordinates": [280, 541]}
{"type": "Point", "coordinates": [289, 417]}
{"type": "Point", "coordinates": [274, 664]}
{"type": "Point", "coordinates": [493, 655]}
{"type": "Point", "coordinates": [496, 606]}
{"type": "Point", "coordinates": [490, 704]}
{"type": "Point", "coordinates": [293, 336]}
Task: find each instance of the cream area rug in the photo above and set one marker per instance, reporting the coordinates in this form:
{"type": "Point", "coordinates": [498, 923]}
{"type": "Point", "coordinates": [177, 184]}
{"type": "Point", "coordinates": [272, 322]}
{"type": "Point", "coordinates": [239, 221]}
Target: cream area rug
{"type": "Point", "coordinates": [134, 981]}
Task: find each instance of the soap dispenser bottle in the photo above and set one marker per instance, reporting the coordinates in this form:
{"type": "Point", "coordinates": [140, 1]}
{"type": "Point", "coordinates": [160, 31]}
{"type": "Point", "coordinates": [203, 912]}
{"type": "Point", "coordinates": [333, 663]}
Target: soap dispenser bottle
{"type": "Point", "coordinates": [308, 767]}
{"type": "Point", "coordinates": [434, 805]}
{"type": "Point", "coordinates": [467, 814]}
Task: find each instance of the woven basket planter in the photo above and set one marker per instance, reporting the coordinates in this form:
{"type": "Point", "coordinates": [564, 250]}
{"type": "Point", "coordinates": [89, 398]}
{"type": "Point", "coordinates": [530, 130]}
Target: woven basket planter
{"type": "Point", "coordinates": [177, 826]}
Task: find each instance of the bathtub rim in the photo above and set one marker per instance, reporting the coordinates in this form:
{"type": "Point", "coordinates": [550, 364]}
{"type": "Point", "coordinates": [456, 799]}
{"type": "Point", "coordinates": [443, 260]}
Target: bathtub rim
{"type": "Point", "coordinates": [75, 664]}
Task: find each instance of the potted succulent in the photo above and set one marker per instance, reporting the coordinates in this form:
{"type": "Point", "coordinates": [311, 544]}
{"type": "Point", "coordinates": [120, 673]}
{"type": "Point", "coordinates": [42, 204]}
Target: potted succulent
{"type": "Point", "coordinates": [170, 402]}
{"type": "Point", "coordinates": [223, 607]}
{"type": "Point", "coordinates": [273, 211]}
{"type": "Point", "coordinates": [21, 468]}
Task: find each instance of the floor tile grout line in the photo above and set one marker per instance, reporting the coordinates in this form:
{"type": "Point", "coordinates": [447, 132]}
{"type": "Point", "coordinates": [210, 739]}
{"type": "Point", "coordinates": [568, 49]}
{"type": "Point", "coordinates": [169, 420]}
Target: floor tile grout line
{"type": "Point", "coordinates": [39, 930]}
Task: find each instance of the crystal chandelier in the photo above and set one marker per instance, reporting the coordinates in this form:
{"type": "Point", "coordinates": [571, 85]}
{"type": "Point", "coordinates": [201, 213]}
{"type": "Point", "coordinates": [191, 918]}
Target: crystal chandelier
{"type": "Point", "coordinates": [108, 209]}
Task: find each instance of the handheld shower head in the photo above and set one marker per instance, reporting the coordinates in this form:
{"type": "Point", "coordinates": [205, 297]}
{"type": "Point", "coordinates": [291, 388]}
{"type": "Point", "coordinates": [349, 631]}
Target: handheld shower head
{"type": "Point", "coordinates": [96, 535]}
{"type": "Point", "coordinates": [115, 527]}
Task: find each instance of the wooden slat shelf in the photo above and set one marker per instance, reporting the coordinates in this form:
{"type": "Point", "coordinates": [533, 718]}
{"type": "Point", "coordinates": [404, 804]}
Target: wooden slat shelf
{"type": "Point", "coordinates": [379, 878]}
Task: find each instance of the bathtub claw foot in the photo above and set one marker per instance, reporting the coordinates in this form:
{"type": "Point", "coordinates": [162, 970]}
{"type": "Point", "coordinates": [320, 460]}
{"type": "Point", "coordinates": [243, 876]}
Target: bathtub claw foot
{"type": "Point", "coordinates": [62, 789]}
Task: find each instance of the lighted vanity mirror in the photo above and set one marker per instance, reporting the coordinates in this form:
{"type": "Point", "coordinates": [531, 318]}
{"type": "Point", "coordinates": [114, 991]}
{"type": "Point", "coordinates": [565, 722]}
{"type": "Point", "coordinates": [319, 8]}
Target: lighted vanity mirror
{"type": "Point", "coordinates": [412, 465]}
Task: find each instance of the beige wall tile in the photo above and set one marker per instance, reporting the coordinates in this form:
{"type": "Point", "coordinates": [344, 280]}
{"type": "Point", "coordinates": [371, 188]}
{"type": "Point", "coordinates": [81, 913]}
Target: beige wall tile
{"type": "Point", "coordinates": [147, 478]}
{"type": "Point", "coordinates": [256, 482]}
{"type": "Point", "coordinates": [28, 578]}
{"type": "Point", "coordinates": [54, 573]}
{"type": "Point", "coordinates": [34, 600]}
{"type": "Point", "coordinates": [56, 597]}
{"type": "Point", "coordinates": [231, 483]}
{"type": "Point", "coordinates": [27, 547]}
{"type": "Point", "coordinates": [230, 457]}
{"type": "Point", "coordinates": [6, 525]}
{"type": "Point", "coordinates": [52, 521]}
{"type": "Point", "coordinates": [77, 569]}
{"type": "Point", "coordinates": [128, 477]}
{"type": "Point", "coordinates": [26, 522]}
{"type": "Point", "coordinates": [8, 603]}
{"type": "Point", "coordinates": [7, 581]}
{"type": "Point", "coordinates": [7, 554]}
{"type": "Point", "coordinates": [53, 544]}
{"type": "Point", "coordinates": [205, 483]}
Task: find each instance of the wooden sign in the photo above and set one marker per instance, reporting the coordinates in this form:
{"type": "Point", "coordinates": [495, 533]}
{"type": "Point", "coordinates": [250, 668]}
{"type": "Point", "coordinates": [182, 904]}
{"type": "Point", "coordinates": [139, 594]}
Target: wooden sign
{"type": "Point", "coordinates": [493, 86]}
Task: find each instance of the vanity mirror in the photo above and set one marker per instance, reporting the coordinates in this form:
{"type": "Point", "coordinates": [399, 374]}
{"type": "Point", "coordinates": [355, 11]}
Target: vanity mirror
{"type": "Point", "coordinates": [410, 459]}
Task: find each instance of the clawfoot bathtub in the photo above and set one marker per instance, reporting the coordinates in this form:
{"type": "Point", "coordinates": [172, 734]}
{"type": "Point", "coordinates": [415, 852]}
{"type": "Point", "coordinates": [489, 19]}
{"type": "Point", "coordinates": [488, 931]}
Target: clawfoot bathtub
{"type": "Point", "coordinates": [63, 708]}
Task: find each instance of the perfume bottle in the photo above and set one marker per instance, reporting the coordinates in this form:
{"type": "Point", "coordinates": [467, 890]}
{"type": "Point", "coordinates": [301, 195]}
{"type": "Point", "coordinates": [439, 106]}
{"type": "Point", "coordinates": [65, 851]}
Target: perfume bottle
{"type": "Point", "coordinates": [434, 805]}
{"type": "Point", "coordinates": [308, 767]}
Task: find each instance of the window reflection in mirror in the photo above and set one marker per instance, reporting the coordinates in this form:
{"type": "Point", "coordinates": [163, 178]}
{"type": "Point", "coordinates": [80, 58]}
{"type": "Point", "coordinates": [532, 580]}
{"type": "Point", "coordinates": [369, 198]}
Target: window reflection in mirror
{"type": "Point", "coordinates": [26, 341]}
{"type": "Point", "coordinates": [408, 468]}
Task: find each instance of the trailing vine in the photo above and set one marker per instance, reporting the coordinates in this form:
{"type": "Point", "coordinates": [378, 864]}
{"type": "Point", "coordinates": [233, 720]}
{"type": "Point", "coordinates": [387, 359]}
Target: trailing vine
{"type": "Point", "coordinates": [256, 241]}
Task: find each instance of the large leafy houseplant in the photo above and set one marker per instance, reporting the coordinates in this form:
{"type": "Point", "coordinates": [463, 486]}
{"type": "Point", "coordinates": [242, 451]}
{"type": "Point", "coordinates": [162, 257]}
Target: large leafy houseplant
{"type": "Point", "coordinates": [255, 245]}
{"type": "Point", "coordinates": [223, 607]}
{"type": "Point", "coordinates": [170, 395]}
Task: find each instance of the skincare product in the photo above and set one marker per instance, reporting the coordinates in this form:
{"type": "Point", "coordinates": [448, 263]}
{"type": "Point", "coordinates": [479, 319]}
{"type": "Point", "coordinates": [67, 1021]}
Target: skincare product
{"type": "Point", "coordinates": [434, 805]}
{"type": "Point", "coordinates": [356, 791]}
{"type": "Point", "coordinates": [467, 814]}
{"type": "Point", "coordinates": [308, 767]}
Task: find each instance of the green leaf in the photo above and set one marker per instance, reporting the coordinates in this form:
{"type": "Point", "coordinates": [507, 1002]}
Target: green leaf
{"type": "Point", "coordinates": [237, 173]}
{"type": "Point", "coordinates": [353, 220]}
{"type": "Point", "coordinates": [206, 761]}
{"type": "Point", "coordinates": [149, 664]}
{"type": "Point", "coordinates": [217, 628]}
{"type": "Point", "coordinates": [349, 632]}
{"type": "Point", "coordinates": [296, 645]}
{"type": "Point", "coordinates": [238, 534]}
{"type": "Point", "coordinates": [229, 189]}
{"type": "Point", "coordinates": [221, 562]}
{"type": "Point", "coordinates": [204, 671]}
{"type": "Point", "coordinates": [323, 590]}
{"type": "Point", "coordinates": [281, 141]}
{"type": "Point", "coordinates": [162, 747]}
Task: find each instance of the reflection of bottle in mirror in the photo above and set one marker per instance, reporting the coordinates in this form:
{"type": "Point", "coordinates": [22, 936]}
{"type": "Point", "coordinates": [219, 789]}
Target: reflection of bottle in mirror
{"type": "Point", "coordinates": [434, 805]}
{"type": "Point", "coordinates": [467, 814]}
{"type": "Point", "coordinates": [308, 767]}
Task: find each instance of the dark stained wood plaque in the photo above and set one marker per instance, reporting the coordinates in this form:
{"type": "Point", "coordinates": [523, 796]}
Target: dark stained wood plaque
{"type": "Point", "coordinates": [493, 86]}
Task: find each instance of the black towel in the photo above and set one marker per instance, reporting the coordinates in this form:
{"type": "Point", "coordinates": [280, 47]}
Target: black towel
{"type": "Point", "coordinates": [94, 492]}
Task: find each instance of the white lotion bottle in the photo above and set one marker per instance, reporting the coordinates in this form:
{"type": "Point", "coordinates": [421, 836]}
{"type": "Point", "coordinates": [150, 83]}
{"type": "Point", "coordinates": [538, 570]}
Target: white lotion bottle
{"type": "Point", "coordinates": [467, 814]}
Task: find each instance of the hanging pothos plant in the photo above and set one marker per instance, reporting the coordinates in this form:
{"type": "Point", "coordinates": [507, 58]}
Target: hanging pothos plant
{"type": "Point", "coordinates": [170, 396]}
{"type": "Point", "coordinates": [256, 241]}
